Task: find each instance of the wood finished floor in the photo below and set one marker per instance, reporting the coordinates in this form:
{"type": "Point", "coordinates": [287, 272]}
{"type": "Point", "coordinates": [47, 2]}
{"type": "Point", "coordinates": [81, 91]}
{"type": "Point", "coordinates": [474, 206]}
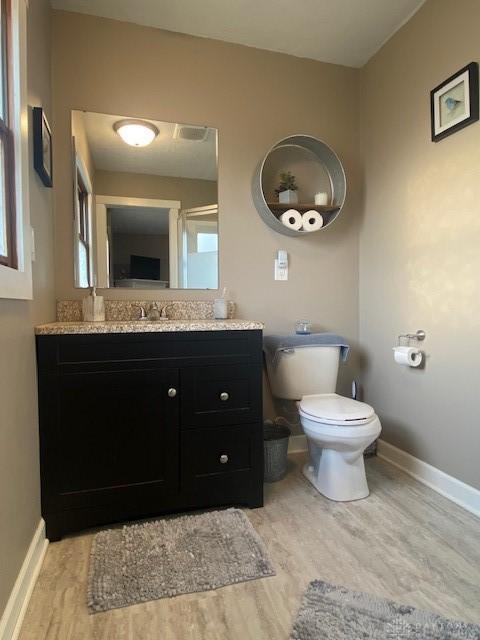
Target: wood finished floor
{"type": "Point", "coordinates": [404, 542]}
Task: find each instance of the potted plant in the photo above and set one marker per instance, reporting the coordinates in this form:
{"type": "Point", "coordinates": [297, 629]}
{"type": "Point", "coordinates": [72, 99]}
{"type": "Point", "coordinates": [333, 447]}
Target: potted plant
{"type": "Point", "coordinates": [287, 189]}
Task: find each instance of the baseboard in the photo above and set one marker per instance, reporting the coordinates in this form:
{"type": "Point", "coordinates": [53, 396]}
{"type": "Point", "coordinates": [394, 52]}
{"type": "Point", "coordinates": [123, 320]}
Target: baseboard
{"type": "Point", "coordinates": [297, 444]}
{"type": "Point", "coordinates": [455, 490]}
{"type": "Point", "coordinates": [17, 604]}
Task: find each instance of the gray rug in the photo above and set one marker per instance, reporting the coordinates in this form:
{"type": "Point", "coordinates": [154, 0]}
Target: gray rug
{"type": "Point", "coordinates": [164, 558]}
{"type": "Point", "coordinates": [337, 613]}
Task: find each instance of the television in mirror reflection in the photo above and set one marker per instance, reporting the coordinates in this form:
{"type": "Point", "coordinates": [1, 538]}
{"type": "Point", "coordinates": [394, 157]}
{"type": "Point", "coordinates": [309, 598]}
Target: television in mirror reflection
{"type": "Point", "coordinates": [145, 203]}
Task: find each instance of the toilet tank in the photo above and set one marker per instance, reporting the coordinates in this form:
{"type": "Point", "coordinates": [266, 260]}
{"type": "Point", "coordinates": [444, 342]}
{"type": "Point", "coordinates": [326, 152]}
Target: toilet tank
{"type": "Point", "coordinates": [305, 371]}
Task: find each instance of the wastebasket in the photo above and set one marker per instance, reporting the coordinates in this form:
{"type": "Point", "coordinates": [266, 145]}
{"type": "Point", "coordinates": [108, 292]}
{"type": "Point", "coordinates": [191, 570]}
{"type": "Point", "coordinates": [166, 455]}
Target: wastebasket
{"type": "Point", "coordinates": [275, 445]}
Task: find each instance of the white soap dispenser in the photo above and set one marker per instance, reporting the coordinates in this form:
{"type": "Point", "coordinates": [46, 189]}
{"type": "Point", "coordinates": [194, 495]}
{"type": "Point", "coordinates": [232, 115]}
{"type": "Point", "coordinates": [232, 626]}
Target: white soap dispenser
{"type": "Point", "coordinates": [220, 306]}
{"type": "Point", "coordinates": [93, 307]}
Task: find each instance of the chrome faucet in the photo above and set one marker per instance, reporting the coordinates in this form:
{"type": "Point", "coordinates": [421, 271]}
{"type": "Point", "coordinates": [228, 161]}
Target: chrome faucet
{"type": "Point", "coordinates": [153, 312]}
{"type": "Point", "coordinates": [143, 315]}
{"type": "Point", "coordinates": [163, 313]}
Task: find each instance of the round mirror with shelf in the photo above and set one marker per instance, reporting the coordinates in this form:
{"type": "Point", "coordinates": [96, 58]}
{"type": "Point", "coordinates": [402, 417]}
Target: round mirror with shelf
{"type": "Point", "coordinates": [316, 168]}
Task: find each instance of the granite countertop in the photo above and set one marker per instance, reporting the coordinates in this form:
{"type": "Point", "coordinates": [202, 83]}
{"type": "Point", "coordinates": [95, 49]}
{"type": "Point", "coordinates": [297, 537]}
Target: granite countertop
{"type": "Point", "coordinates": [145, 326]}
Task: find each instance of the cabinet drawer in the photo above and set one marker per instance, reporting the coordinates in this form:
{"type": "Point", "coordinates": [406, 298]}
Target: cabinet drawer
{"type": "Point", "coordinates": [221, 464]}
{"type": "Point", "coordinates": [218, 451]}
{"type": "Point", "coordinates": [172, 349]}
{"type": "Point", "coordinates": [221, 395]}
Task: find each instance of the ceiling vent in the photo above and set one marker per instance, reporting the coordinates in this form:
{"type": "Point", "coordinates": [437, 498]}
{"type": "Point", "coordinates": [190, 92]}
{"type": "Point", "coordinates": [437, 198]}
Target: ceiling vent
{"type": "Point", "coordinates": [190, 132]}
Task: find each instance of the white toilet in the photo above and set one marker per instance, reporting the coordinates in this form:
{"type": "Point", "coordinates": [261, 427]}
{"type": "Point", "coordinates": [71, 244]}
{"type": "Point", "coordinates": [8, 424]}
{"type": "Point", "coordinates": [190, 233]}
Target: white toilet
{"type": "Point", "coordinates": [338, 429]}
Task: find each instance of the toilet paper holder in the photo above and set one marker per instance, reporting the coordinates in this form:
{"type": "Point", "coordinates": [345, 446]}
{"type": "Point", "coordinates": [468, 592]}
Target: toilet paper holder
{"type": "Point", "coordinates": [419, 335]}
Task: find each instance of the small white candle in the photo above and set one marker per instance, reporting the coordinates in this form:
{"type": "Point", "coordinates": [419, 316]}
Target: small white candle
{"type": "Point", "coordinates": [321, 199]}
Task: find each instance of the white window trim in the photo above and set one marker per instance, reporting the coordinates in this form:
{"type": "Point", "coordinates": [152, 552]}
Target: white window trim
{"type": "Point", "coordinates": [17, 283]}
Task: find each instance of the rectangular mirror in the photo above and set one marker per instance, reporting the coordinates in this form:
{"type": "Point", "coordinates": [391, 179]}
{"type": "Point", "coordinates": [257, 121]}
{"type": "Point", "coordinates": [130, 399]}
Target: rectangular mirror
{"type": "Point", "coordinates": [145, 203]}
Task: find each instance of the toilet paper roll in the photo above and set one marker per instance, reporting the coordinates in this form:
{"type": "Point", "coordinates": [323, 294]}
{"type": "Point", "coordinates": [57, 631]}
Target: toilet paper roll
{"type": "Point", "coordinates": [408, 356]}
{"type": "Point", "coordinates": [292, 219]}
{"type": "Point", "coordinates": [312, 220]}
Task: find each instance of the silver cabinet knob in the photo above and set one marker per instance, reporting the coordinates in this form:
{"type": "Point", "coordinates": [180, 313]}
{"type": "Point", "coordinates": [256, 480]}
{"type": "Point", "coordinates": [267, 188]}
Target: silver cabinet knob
{"type": "Point", "coordinates": [172, 392]}
{"type": "Point", "coordinates": [224, 458]}
{"type": "Point", "coordinates": [224, 396]}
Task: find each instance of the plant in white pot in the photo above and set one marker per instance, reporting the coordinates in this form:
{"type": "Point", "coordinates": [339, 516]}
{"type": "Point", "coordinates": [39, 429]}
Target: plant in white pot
{"type": "Point", "coordinates": [287, 189]}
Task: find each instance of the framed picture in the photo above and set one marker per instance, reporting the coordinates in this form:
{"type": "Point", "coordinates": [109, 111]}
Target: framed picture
{"type": "Point", "coordinates": [454, 103]}
{"type": "Point", "coordinates": [42, 147]}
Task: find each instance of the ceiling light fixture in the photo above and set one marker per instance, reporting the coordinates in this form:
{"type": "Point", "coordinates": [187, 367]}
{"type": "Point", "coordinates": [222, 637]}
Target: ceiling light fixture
{"type": "Point", "coordinates": [136, 133]}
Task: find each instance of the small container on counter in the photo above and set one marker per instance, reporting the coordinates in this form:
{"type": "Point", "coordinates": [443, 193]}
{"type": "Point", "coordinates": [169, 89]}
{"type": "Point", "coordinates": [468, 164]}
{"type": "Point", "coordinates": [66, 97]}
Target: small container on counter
{"type": "Point", "coordinates": [303, 327]}
{"type": "Point", "coordinates": [220, 306]}
{"type": "Point", "coordinates": [93, 307]}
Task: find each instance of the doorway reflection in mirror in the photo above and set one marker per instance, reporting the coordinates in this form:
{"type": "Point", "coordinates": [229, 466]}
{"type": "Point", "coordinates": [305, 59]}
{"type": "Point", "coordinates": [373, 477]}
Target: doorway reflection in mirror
{"type": "Point", "coordinates": [146, 212]}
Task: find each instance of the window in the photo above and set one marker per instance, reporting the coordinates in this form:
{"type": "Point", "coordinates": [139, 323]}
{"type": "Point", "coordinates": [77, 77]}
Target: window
{"type": "Point", "coordinates": [207, 241]}
{"type": "Point", "coordinates": [8, 248]}
{"type": "Point", "coordinates": [83, 232]}
{"type": "Point", "coordinates": [200, 252]}
{"type": "Point", "coordinates": [82, 222]}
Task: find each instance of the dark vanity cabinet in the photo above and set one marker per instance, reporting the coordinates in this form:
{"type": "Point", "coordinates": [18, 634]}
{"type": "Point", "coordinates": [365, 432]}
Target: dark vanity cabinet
{"type": "Point", "coordinates": [138, 424]}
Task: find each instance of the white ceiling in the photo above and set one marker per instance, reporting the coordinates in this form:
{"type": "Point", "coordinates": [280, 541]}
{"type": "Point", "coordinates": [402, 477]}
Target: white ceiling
{"type": "Point", "coordinates": [139, 220]}
{"type": "Point", "coordinates": [344, 32]}
{"type": "Point", "coordinates": [166, 156]}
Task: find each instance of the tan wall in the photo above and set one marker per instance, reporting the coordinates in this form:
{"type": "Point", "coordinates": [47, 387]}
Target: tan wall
{"type": "Point", "coordinates": [254, 98]}
{"type": "Point", "coordinates": [191, 193]}
{"type": "Point", "coordinates": [19, 471]}
{"type": "Point", "coordinates": [420, 239]}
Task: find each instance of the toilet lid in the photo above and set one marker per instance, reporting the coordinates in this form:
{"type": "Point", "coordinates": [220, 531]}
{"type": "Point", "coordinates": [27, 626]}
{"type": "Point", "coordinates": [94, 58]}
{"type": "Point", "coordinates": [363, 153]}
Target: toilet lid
{"type": "Point", "coordinates": [330, 408]}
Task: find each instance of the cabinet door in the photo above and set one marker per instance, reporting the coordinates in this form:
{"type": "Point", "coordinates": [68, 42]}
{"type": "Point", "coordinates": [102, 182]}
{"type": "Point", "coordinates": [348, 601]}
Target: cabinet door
{"type": "Point", "coordinates": [115, 438]}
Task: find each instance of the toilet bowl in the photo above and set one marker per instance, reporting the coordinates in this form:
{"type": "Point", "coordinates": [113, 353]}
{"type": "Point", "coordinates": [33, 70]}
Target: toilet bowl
{"type": "Point", "coordinates": [338, 430]}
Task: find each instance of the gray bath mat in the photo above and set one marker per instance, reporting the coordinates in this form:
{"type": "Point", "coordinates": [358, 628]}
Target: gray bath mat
{"type": "Point", "coordinates": [164, 558]}
{"type": "Point", "coordinates": [337, 613]}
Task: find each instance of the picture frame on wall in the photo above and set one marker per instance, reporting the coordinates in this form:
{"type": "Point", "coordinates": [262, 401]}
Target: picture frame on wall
{"type": "Point", "coordinates": [454, 104]}
{"type": "Point", "coordinates": [42, 147]}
